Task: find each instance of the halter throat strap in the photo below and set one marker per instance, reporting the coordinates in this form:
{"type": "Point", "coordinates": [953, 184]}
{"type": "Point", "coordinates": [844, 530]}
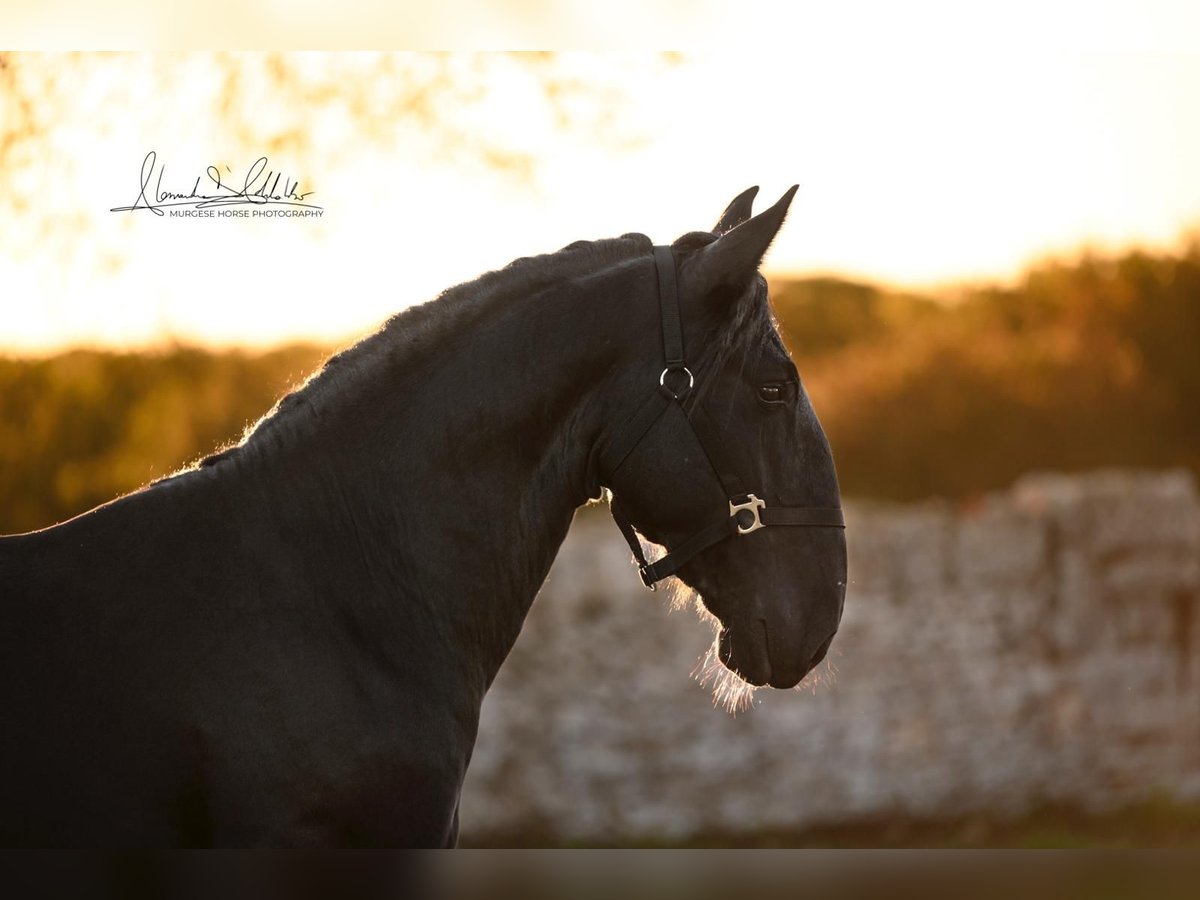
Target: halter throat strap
{"type": "Point", "coordinates": [747, 512]}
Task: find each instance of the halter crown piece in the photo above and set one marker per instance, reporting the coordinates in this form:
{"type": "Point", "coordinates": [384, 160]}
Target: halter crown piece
{"type": "Point", "coordinates": [747, 512]}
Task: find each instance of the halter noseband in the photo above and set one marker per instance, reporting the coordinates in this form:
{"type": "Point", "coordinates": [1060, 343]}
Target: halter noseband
{"type": "Point", "coordinates": [747, 512]}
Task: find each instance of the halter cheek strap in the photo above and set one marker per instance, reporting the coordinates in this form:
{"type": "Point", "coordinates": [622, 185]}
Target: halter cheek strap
{"type": "Point", "coordinates": [747, 512]}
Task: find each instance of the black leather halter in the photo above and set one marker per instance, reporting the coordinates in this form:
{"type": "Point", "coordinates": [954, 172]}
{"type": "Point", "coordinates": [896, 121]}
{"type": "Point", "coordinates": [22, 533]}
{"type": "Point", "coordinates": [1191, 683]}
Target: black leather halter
{"type": "Point", "coordinates": [747, 511]}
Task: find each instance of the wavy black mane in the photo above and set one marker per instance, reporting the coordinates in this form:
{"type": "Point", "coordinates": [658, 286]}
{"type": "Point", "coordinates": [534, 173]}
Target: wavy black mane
{"type": "Point", "coordinates": [411, 334]}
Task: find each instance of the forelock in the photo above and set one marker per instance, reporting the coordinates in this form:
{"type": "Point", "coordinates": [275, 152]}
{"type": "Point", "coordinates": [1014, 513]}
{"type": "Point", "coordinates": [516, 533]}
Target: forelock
{"type": "Point", "coordinates": [748, 332]}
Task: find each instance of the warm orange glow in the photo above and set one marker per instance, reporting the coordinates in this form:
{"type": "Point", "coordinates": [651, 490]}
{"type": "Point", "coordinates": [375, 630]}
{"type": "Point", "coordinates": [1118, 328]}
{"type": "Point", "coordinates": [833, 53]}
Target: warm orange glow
{"type": "Point", "coordinates": [915, 168]}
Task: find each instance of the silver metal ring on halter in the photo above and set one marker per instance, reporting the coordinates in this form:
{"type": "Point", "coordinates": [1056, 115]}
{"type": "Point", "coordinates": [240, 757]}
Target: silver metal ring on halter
{"type": "Point", "coordinates": [691, 378]}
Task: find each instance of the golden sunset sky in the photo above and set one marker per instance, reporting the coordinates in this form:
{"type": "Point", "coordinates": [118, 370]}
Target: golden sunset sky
{"type": "Point", "coordinates": [924, 158]}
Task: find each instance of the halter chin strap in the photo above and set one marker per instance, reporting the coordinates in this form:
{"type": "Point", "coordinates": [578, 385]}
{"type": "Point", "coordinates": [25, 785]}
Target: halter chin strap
{"type": "Point", "coordinates": [747, 512]}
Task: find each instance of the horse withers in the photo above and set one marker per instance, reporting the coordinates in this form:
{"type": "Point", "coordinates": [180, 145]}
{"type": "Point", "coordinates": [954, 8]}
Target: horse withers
{"type": "Point", "coordinates": [289, 644]}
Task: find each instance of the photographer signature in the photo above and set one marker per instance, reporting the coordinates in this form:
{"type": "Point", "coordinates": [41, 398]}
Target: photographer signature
{"type": "Point", "coordinates": [260, 187]}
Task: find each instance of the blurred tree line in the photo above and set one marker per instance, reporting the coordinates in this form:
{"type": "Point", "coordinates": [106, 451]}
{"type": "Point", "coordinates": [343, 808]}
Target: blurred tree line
{"type": "Point", "coordinates": [82, 427]}
{"type": "Point", "coordinates": [1080, 364]}
{"type": "Point", "coordinates": [1089, 363]}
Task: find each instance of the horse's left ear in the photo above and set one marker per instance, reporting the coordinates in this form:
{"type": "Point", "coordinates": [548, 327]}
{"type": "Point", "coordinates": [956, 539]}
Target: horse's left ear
{"type": "Point", "coordinates": [732, 260]}
{"type": "Point", "coordinates": [737, 212]}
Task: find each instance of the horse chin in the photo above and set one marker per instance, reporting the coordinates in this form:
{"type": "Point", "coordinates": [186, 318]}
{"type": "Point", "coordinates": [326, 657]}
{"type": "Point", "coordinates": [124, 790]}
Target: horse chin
{"type": "Point", "coordinates": [729, 689]}
{"type": "Point", "coordinates": [745, 655]}
{"type": "Point", "coordinates": [738, 661]}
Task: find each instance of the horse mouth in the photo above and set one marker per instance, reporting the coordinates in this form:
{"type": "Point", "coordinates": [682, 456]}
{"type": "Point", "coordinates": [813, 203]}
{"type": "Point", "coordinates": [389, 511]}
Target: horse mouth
{"type": "Point", "coordinates": [747, 654]}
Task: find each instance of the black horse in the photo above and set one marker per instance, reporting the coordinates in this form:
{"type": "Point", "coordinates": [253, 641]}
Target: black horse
{"type": "Point", "coordinates": [289, 644]}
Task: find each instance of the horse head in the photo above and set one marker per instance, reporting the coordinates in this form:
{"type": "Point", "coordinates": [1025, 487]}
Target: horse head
{"type": "Point", "coordinates": [726, 464]}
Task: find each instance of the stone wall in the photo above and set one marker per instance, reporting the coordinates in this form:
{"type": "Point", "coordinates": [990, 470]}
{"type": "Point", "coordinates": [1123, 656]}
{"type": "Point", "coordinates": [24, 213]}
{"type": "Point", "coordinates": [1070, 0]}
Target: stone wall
{"type": "Point", "coordinates": [1042, 646]}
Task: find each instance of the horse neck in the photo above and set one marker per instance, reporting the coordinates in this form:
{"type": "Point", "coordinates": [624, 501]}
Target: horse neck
{"type": "Point", "coordinates": [448, 481]}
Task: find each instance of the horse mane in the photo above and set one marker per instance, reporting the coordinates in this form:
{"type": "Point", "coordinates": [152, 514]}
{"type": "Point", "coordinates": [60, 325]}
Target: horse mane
{"type": "Point", "coordinates": [419, 329]}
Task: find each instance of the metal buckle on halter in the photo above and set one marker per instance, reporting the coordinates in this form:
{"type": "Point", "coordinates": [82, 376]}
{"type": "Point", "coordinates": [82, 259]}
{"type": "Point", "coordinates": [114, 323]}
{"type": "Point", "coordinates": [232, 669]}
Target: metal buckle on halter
{"type": "Point", "coordinates": [752, 506]}
{"type": "Point", "coordinates": [645, 580]}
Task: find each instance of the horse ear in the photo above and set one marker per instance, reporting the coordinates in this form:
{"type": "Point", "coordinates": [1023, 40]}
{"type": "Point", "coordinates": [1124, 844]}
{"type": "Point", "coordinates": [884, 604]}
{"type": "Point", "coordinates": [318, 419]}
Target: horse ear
{"type": "Point", "coordinates": [732, 259]}
{"type": "Point", "coordinates": [737, 212]}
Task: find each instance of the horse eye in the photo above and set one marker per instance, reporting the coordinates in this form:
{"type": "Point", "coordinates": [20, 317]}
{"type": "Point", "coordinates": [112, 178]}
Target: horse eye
{"type": "Point", "coordinates": [771, 393]}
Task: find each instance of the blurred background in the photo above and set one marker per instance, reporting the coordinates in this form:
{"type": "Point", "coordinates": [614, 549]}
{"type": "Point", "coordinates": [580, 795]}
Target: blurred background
{"type": "Point", "coordinates": [991, 271]}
